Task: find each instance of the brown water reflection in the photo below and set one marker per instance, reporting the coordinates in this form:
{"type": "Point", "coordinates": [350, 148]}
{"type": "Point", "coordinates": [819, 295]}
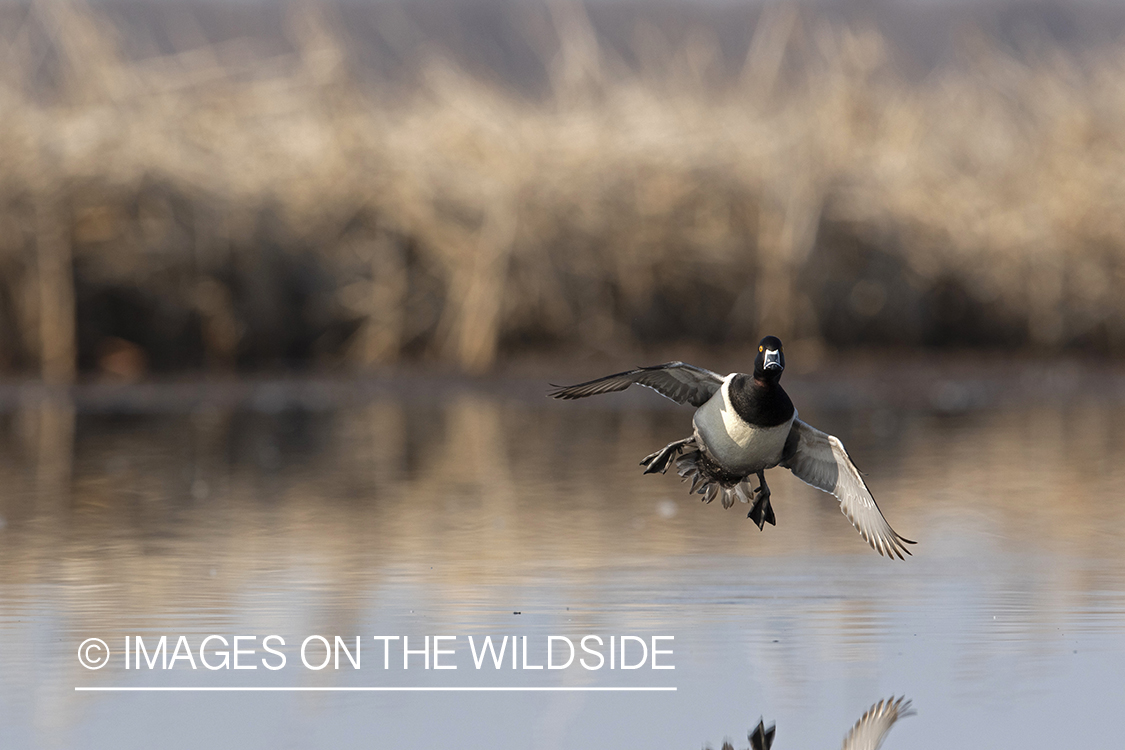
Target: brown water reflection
{"type": "Point", "coordinates": [394, 514]}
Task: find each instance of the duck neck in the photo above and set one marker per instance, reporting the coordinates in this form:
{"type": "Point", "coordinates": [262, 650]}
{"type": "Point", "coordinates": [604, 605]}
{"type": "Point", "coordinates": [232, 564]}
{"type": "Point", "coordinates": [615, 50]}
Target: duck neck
{"type": "Point", "coordinates": [760, 401]}
{"type": "Point", "coordinates": [766, 380]}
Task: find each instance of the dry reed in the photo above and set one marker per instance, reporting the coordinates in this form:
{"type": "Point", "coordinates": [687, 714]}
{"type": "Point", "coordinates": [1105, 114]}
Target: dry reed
{"type": "Point", "coordinates": [210, 208]}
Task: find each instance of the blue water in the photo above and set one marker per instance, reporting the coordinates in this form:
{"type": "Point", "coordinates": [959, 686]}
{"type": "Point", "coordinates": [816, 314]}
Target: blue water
{"type": "Point", "coordinates": [391, 515]}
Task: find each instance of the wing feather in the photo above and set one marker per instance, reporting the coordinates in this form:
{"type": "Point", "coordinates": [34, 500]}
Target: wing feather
{"type": "Point", "coordinates": [683, 383]}
{"type": "Point", "coordinates": [820, 460]}
{"type": "Point", "coordinates": [871, 729]}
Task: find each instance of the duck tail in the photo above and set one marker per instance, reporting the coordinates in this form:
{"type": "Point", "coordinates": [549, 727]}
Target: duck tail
{"type": "Point", "coordinates": [693, 465]}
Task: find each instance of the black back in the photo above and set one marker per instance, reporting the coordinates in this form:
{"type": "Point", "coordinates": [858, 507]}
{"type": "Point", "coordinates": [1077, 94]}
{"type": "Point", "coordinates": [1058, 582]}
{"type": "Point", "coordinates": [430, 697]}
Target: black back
{"type": "Point", "coordinates": [760, 404]}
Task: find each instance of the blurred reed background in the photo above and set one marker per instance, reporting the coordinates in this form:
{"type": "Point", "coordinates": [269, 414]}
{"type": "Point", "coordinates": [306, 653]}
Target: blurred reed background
{"type": "Point", "coordinates": [190, 187]}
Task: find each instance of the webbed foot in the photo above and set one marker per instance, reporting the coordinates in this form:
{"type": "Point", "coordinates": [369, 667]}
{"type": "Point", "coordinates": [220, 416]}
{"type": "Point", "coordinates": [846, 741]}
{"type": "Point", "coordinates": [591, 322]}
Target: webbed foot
{"type": "Point", "coordinates": [762, 512]}
{"type": "Point", "coordinates": [658, 462]}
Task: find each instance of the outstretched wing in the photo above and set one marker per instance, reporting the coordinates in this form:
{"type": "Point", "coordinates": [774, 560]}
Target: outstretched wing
{"type": "Point", "coordinates": [683, 383]}
{"type": "Point", "coordinates": [820, 460]}
{"type": "Point", "coordinates": [869, 732]}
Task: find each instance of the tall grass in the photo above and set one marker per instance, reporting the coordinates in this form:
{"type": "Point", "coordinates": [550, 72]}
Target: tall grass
{"type": "Point", "coordinates": [216, 208]}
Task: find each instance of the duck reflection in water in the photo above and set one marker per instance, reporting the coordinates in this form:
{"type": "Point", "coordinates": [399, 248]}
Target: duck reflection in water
{"type": "Point", "coordinates": [867, 734]}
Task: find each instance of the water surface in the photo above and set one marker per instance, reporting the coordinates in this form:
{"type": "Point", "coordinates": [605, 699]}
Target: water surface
{"type": "Point", "coordinates": [388, 513]}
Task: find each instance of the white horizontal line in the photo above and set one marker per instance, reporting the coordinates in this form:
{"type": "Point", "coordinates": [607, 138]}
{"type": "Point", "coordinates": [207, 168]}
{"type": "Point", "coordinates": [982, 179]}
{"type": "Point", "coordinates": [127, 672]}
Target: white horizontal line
{"type": "Point", "coordinates": [372, 689]}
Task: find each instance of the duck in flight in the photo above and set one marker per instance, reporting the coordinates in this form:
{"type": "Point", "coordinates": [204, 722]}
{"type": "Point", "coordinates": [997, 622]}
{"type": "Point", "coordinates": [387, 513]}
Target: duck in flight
{"type": "Point", "coordinates": [745, 424]}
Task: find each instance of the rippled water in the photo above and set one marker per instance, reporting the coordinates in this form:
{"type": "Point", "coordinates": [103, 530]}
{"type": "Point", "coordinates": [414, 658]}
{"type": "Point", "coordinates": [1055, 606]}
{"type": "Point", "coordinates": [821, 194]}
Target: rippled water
{"type": "Point", "coordinates": [397, 513]}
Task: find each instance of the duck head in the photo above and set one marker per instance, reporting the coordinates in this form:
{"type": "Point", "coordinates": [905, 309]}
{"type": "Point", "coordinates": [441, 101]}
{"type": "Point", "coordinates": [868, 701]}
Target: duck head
{"type": "Point", "coordinates": [770, 362]}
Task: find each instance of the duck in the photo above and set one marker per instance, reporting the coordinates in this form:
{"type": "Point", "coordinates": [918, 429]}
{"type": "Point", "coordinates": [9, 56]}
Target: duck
{"type": "Point", "coordinates": [745, 424]}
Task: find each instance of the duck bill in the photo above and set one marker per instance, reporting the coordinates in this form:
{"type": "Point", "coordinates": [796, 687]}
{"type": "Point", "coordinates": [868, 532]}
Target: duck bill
{"type": "Point", "coordinates": [772, 360]}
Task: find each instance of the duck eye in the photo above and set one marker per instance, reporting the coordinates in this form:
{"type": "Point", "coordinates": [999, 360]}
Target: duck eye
{"type": "Point", "coordinates": [760, 348]}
